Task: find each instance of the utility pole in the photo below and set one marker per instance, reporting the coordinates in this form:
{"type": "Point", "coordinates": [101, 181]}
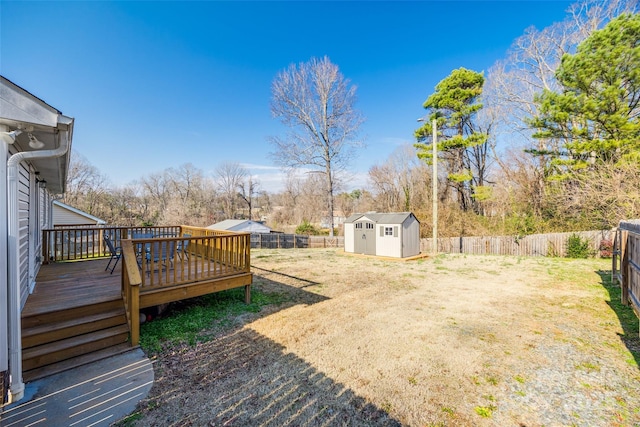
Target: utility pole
{"type": "Point", "coordinates": [434, 186]}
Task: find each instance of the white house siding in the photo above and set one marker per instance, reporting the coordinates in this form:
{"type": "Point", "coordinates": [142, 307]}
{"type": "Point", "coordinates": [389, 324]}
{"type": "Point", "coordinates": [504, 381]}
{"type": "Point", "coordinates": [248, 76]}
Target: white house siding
{"type": "Point", "coordinates": [411, 237]}
{"type": "Point", "coordinates": [37, 224]}
{"type": "Point", "coordinates": [349, 241]}
{"type": "Point", "coordinates": [63, 216]}
{"type": "Point", "coordinates": [389, 245]}
{"type": "Point", "coordinates": [24, 200]}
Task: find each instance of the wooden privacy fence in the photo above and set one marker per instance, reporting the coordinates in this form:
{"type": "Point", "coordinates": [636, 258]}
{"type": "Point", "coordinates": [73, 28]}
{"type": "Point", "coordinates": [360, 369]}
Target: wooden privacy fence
{"type": "Point", "coordinates": [551, 244]}
{"type": "Point", "coordinates": [326, 242]}
{"type": "Point", "coordinates": [625, 265]}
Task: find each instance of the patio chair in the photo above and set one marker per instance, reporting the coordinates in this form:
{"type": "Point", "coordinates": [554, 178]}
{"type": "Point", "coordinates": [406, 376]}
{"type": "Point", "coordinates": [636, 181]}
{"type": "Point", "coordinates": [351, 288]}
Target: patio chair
{"type": "Point", "coordinates": [116, 253]}
{"type": "Point", "coordinates": [182, 246]}
{"type": "Point", "coordinates": [141, 249]}
{"type": "Point", "coordinates": [160, 253]}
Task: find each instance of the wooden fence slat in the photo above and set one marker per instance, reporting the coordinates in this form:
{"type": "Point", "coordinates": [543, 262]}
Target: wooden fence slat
{"type": "Point", "coordinates": [626, 263]}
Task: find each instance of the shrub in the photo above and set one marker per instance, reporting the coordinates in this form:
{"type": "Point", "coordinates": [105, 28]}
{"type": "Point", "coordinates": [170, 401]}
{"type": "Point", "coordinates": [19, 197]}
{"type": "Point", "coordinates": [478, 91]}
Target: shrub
{"type": "Point", "coordinates": [577, 247]}
{"type": "Point", "coordinates": [307, 228]}
{"type": "Point", "coordinates": [606, 248]}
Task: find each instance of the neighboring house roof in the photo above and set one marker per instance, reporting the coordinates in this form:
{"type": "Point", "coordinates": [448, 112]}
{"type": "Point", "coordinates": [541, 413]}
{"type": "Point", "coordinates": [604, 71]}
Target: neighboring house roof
{"type": "Point", "coordinates": [240, 225]}
{"type": "Point", "coordinates": [72, 215]}
{"type": "Point", "coordinates": [382, 218]}
{"type": "Point", "coordinates": [21, 110]}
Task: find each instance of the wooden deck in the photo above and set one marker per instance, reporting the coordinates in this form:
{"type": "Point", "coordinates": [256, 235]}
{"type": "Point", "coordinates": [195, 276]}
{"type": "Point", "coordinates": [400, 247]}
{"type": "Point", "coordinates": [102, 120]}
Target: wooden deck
{"type": "Point", "coordinates": [74, 316]}
{"type": "Point", "coordinates": [79, 312]}
{"type": "Point", "coordinates": [63, 285]}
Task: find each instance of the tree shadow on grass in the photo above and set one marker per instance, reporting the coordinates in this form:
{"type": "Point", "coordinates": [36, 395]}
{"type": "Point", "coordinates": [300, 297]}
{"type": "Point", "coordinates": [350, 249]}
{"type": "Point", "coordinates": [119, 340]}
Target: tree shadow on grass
{"type": "Point", "coordinates": [628, 319]}
{"type": "Point", "coordinates": [242, 378]}
{"type": "Point", "coordinates": [246, 379]}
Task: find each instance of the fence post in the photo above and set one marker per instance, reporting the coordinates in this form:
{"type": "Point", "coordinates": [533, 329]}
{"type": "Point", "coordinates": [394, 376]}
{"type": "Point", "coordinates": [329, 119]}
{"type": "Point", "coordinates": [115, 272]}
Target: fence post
{"type": "Point", "coordinates": [614, 256]}
{"type": "Point", "coordinates": [624, 267]}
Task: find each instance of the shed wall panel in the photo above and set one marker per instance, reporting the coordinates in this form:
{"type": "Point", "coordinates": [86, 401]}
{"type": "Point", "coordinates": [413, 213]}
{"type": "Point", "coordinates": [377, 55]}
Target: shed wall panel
{"type": "Point", "coordinates": [410, 237]}
{"type": "Point", "coordinates": [349, 237]}
{"type": "Point", "coordinates": [386, 245]}
{"type": "Point", "coordinates": [63, 216]}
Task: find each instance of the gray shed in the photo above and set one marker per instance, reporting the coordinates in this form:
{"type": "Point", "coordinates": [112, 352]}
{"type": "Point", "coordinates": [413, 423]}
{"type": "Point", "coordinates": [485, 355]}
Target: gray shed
{"type": "Point", "coordinates": [383, 234]}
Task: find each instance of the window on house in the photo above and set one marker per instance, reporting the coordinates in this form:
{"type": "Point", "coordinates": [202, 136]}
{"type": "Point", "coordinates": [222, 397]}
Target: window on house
{"type": "Point", "coordinates": [358, 225]}
{"type": "Point", "coordinates": [369, 226]}
{"type": "Point", "coordinates": [388, 231]}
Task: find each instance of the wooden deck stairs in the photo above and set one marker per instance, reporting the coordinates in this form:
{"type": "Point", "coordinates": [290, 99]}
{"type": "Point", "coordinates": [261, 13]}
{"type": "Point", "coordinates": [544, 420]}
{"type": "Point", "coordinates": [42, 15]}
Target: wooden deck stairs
{"type": "Point", "coordinates": [58, 333]}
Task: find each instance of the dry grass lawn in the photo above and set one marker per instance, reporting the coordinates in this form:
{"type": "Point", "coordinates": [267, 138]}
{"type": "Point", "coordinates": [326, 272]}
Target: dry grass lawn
{"type": "Point", "coordinates": [456, 340]}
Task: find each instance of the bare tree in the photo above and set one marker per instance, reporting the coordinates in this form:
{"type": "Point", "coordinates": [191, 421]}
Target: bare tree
{"type": "Point", "coordinates": [229, 177]}
{"type": "Point", "coordinates": [157, 188]}
{"type": "Point", "coordinates": [317, 103]}
{"type": "Point", "coordinates": [534, 58]}
{"type": "Point", "coordinates": [85, 185]}
{"type": "Point", "coordinates": [248, 189]}
{"type": "Point", "coordinates": [529, 68]}
{"type": "Point", "coordinates": [400, 182]}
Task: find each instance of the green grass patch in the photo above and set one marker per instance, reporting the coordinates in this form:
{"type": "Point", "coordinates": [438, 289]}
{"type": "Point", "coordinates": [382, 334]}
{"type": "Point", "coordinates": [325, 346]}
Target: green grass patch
{"type": "Point", "coordinates": [186, 321]}
{"type": "Point", "coordinates": [492, 380]}
{"type": "Point", "coordinates": [627, 318]}
{"type": "Point", "coordinates": [485, 411]}
{"type": "Point", "coordinates": [129, 420]}
{"type": "Point", "coordinates": [588, 366]}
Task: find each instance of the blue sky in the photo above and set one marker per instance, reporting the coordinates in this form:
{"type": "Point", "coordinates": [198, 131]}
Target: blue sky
{"type": "Point", "coordinates": [154, 85]}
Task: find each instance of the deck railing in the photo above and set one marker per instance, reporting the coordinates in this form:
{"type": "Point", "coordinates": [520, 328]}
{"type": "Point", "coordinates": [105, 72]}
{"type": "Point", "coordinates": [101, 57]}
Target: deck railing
{"type": "Point", "coordinates": [171, 261]}
{"type": "Point", "coordinates": [68, 243]}
{"type": "Point", "coordinates": [172, 264]}
{"type": "Point", "coordinates": [159, 264]}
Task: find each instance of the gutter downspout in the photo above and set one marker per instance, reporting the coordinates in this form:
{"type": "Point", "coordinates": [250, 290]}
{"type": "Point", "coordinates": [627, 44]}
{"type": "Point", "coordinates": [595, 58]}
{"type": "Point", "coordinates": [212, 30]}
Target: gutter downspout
{"type": "Point", "coordinates": [13, 262]}
{"type": "Point", "coordinates": [4, 315]}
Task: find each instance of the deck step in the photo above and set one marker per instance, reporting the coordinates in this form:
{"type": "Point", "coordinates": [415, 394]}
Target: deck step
{"type": "Point", "coordinates": [54, 331]}
{"type": "Point", "coordinates": [54, 352]}
{"type": "Point", "coordinates": [56, 368]}
{"type": "Point", "coordinates": [40, 319]}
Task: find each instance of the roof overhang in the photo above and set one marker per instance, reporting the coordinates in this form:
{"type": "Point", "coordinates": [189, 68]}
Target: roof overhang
{"type": "Point", "coordinates": [20, 110]}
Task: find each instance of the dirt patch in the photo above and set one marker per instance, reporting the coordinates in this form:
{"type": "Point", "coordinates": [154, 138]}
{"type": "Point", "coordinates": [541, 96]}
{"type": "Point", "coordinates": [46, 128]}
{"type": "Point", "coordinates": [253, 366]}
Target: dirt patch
{"type": "Point", "coordinates": [455, 340]}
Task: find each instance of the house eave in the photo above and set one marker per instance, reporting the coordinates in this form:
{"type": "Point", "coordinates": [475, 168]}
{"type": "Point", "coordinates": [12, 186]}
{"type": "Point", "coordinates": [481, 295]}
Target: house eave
{"type": "Point", "coordinates": [23, 111]}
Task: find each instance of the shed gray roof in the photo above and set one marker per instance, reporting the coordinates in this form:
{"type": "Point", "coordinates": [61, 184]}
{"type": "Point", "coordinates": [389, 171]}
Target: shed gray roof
{"type": "Point", "coordinates": [382, 218]}
{"type": "Point", "coordinates": [240, 225]}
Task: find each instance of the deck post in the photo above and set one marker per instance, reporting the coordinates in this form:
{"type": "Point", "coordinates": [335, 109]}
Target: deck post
{"type": "Point", "coordinates": [135, 315]}
{"type": "Point", "coordinates": [247, 294]}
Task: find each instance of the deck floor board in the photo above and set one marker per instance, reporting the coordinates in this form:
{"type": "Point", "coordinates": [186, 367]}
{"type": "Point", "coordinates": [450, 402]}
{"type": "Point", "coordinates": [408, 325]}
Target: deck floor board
{"type": "Point", "coordinates": [61, 286]}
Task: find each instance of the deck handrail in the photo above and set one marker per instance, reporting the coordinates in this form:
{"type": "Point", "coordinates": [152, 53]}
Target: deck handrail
{"type": "Point", "coordinates": [171, 261]}
{"type": "Point", "coordinates": [87, 242]}
{"type": "Point", "coordinates": [151, 265]}
{"type": "Point", "coordinates": [159, 264]}
{"type": "Point", "coordinates": [131, 281]}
